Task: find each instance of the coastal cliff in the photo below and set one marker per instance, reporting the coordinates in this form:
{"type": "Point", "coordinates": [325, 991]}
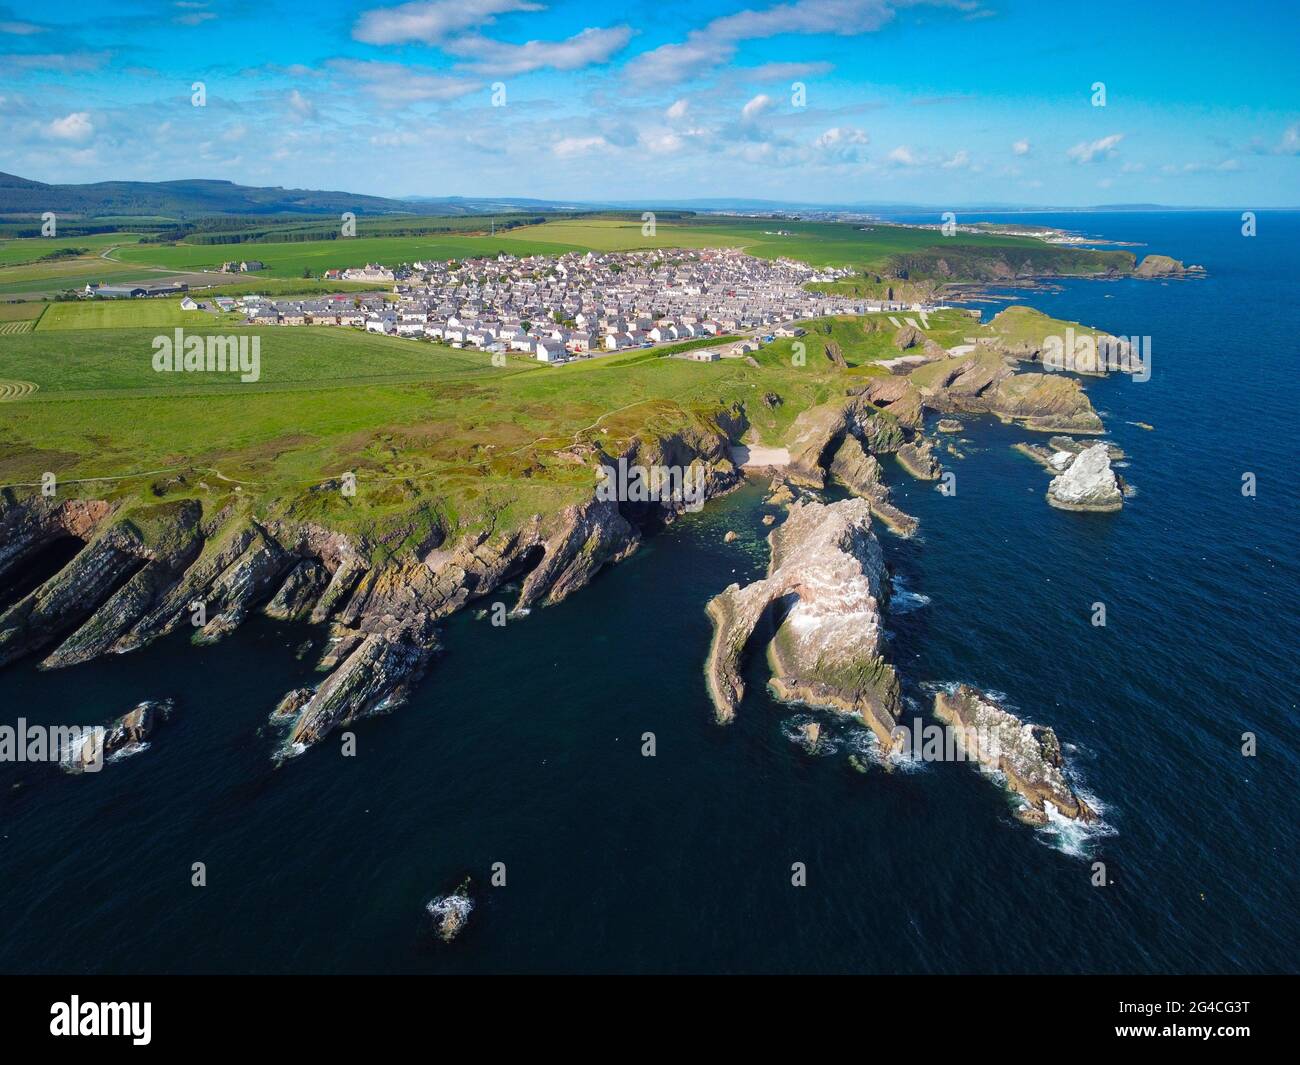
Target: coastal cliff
{"type": "Point", "coordinates": [141, 572]}
{"type": "Point", "coordinates": [820, 605]}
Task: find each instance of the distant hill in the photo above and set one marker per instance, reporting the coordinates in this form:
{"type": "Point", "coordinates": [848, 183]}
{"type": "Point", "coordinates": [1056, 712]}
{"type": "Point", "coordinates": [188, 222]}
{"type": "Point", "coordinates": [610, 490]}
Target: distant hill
{"type": "Point", "coordinates": [182, 199]}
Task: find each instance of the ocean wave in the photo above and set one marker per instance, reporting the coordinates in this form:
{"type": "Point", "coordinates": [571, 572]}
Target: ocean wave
{"type": "Point", "coordinates": [126, 752]}
{"type": "Point", "coordinates": [903, 600]}
{"type": "Point", "coordinates": [792, 729]}
{"type": "Point", "coordinates": [447, 905]}
{"type": "Point", "coordinates": [1071, 837]}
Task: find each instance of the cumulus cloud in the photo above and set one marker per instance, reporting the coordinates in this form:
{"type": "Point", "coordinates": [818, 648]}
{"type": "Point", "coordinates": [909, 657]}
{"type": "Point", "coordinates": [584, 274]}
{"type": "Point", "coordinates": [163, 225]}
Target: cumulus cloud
{"type": "Point", "coordinates": [842, 143]}
{"type": "Point", "coordinates": [75, 127]}
{"type": "Point", "coordinates": [1290, 144]}
{"type": "Point", "coordinates": [569, 147]}
{"type": "Point", "coordinates": [1089, 151]}
{"type": "Point", "coordinates": [903, 156]}
{"type": "Point", "coordinates": [1021, 147]}
{"type": "Point", "coordinates": [581, 50]}
{"type": "Point", "coordinates": [678, 109]}
{"type": "Point", "coordinates": [959, 161]}
{"type": "Point", "coordinates": [432, 21]}
{"type": "Point", "coordinates": [662, 142]}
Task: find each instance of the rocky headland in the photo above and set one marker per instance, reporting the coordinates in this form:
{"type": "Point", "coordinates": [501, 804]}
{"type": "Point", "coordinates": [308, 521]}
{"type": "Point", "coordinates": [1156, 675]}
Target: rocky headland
{"type": "Point", "coordinates": [819, 610]}
{"type": "Point", "coordinates": [1028, 756]}
{"type": "Point", "coordinates": [142, 572]}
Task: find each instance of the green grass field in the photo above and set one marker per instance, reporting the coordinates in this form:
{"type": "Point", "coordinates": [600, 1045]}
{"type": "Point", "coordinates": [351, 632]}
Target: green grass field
{"type": "Point", "coordinates": [429, 430]}
{"type": "Point", "coordinates": [30, 249]}
{"type": "Point", "coordinates": [289, 260]}
{"type": "Point", "coordinates": [866, 248]}
{"type": "Point", "coordinates": [125, 314]}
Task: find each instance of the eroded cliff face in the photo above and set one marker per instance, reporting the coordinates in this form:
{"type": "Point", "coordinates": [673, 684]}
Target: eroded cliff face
{"type": "Point", "coordinates": [859, 472]}
{"type": "Point", "coordinates": [149, 570]}
{"type": "Point", "coordinates": [985, 384]}
{"type": "Point", "coordinates": [1028, 756]}
{"type": "Point", "coordinates": [823, 599]}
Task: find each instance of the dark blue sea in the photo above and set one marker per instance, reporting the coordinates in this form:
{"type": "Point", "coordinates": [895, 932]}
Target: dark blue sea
{"type": "Point", "coordinates": [523, 745]}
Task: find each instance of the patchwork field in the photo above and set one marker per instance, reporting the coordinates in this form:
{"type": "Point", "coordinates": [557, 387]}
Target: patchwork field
{"type": "Point", "coordinates": [868, 247]}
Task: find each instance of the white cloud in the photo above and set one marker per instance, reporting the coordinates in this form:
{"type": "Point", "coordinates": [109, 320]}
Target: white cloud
{"type": "Point", "coordinates": [1021, 147]}
{"type": "Point", "coordinates": [572, 146]}
{"type": "Point", "coordinates": [705, 49]}
{"type": "Point", "coordinates": [1087, 151]}
{"type": "Point", "coordinates": [581, 50]}
{"type": "Point", "coordinates": [903, 156]}
{"type": "Point", "coordinates": [301, 106]}
{"type": "Point", "coordinates": [662, 142]}
{"type": "Point", "coordinates": [395, 84]}
{"type": "Point", "coordinates": [569, 147]}
{"type": "Point", "coordinates": [781, 71]}
{"type": "Point", "coordinates": [1290, 144]}
{"type": "Point", "coordinates": [74, 127]}
{"type": "Point", "coordinates": [64, 63]}
{"type": "Point", "coordinates": [1226, 166]}
{"type": "Point", "coordinates": [395, 139]}
{"type": "Point", "coordinates": [842, 143]}
{"type": "Point", "coordinates": [959, 161]}
{"type": "Point", "coordinates": [678, 109]}
{"type": "Point", "coordinates": [434, 21]}
{"type": "Point", "coordinates": [21, 29]}
{"type": "Point", "coordinates": [760, 103]}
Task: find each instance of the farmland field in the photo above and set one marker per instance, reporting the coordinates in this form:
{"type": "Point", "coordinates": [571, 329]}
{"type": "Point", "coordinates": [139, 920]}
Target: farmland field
{"type": "Point", "coordinates": [864, 247]}
{"type": "Point", "coordinates": [124, 314]}
{"type": "Point", "coordinates": [290, 259]}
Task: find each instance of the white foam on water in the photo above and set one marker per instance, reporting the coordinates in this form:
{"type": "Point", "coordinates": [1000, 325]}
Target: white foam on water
{"type": "Point", "coordinates": [449, 904]}
{"type": "Point", "coordinates": [1071, 837]}
{"type": "Point", "coordinates": [903, 600]}
{"type": "Point", "coordinates": [126, 752]}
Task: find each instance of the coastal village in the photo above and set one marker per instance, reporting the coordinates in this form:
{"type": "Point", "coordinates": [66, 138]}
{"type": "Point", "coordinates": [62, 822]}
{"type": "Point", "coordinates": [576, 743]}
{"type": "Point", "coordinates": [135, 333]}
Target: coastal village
{"type": "Point", "coordinates": [557, 309]}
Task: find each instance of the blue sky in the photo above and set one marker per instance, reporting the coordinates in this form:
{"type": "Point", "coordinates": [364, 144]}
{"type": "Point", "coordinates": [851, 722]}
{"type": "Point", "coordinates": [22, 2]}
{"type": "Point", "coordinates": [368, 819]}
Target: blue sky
{"type": "Point", "coordinates": [941, 103]}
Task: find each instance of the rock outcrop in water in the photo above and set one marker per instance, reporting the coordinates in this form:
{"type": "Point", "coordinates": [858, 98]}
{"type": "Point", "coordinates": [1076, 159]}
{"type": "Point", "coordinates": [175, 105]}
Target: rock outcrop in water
{"type": "Point", "coordinates": [822, 598]}
{"type": "Point", "coordinates": [133, 727]}
{"type": "Point", "coordinates": [985, 384]}
{"type": "Point", "coordinates": [917, 458]}
{"type": "Point", "coordinates": [1164, 266]}
{"type": "Point", "coordinates": [450, 913]}
{"type": "Point", "coordinates": [860, 473]}
{"type": "Point", "coordinates": [1088, 483]}
{"type": "Point", "coordinates": [1028, 756]}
